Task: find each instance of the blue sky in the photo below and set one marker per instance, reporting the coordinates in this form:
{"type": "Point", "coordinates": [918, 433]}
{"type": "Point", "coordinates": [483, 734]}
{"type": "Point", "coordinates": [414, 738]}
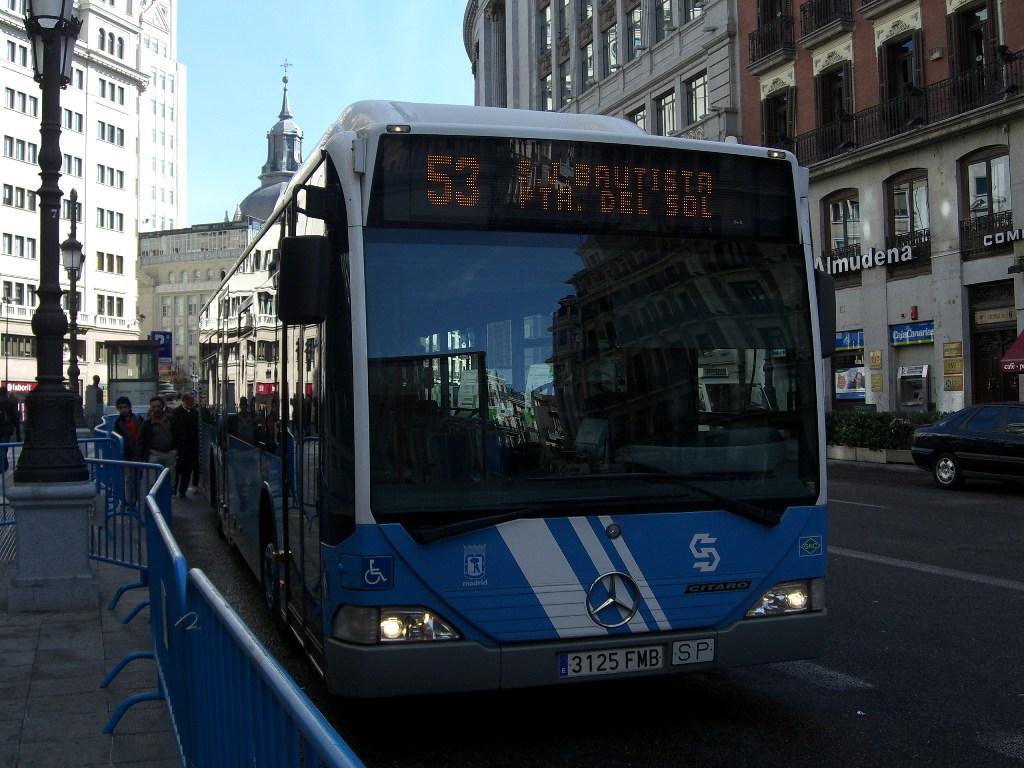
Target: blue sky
{"type": "Point", "coordinates": [340, 51]}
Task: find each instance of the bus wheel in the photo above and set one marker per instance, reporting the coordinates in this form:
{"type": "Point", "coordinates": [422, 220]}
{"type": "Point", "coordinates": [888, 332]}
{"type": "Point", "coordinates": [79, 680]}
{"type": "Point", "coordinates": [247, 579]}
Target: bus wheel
{"type": "Point", "coordinates": [271, 578]}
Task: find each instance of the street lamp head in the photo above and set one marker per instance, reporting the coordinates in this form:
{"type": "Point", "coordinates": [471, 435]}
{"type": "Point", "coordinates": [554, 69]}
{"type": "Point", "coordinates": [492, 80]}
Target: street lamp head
{"type": "Point", "coordinates": [50, 22]}
{"type": "Point", "coordinates": [71, 256]}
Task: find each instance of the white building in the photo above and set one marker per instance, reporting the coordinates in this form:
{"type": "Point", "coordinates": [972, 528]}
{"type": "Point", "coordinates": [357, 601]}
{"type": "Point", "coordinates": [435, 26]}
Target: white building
{"type": "Point", "coordinates": [123, 146]}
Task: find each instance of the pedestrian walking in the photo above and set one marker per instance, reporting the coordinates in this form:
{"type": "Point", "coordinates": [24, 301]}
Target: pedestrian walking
{"type": "Point", "coordinates": [10, 422]}
{"type": "Point", "coordinates": [186, 419]}
{"type": "Point", "coordinates": [129, 426]}
{"type": "Point", "coordinates": [158, 440]}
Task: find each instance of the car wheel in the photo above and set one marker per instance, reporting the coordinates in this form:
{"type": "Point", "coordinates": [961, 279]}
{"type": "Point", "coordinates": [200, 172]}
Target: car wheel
{"type": "Point", "coordinates": [946, 471]}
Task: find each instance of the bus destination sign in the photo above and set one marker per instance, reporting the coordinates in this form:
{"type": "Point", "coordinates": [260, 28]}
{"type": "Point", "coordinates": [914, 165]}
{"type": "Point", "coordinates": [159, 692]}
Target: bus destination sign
{"type": "Point", "coordinates": [547, 185]}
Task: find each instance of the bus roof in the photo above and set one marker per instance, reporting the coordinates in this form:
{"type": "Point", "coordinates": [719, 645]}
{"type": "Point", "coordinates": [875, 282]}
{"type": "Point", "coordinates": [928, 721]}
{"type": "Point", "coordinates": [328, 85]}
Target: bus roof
{"type": "Point", "coordinates": [364, 115]}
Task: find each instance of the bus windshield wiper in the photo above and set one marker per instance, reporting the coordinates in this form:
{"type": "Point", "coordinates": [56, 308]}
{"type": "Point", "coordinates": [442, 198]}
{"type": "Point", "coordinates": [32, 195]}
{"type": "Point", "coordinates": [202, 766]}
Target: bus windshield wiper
{"type": "Point", "coordinates": [438, 532]}
{"type": "Point", "coordinates": [734, 506]}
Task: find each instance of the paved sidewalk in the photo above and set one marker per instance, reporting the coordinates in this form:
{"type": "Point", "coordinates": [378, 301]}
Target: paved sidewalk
{"type": "Point", "coordinates": [52, 708]}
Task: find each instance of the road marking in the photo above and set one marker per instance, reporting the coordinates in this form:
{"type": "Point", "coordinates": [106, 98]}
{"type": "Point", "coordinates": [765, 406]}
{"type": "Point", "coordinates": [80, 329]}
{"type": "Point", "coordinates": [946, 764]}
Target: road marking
{"type": "Point", "coordinates": [858, 504]}
{"type": "Point", "coordinates": [821, 676]}
{"type": "Point", "coordinates": [924, 568]}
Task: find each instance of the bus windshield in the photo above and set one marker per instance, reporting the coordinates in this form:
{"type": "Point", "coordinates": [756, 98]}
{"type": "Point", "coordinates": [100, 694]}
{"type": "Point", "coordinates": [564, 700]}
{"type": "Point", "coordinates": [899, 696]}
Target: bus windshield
{"type": "Point", "coordinates": [547, 371]}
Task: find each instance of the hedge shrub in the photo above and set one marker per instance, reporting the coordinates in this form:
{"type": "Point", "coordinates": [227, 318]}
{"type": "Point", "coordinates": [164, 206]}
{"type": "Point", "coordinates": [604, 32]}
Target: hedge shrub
{"type": "Point", "coordinates": [876, 430]}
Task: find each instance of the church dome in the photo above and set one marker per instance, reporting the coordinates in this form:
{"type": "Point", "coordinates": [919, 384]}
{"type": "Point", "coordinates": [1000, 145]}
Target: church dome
{"type": "Point", "coordinates": [284, 156]}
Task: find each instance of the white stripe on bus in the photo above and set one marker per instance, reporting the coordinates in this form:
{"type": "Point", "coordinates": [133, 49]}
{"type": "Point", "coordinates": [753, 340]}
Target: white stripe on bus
{"type": "Point", "coordinates": [543, 563]}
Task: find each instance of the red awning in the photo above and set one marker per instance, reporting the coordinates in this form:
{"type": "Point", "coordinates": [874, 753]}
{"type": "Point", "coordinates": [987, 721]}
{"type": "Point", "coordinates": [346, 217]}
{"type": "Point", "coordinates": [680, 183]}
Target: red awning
{"type": "Point", "coordinates": [1013, 360]}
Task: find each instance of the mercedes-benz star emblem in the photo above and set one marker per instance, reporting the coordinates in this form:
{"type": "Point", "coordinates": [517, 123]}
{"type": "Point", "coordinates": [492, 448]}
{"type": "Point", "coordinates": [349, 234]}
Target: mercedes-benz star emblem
{"type": "Point", "coordinates": [613, 599]}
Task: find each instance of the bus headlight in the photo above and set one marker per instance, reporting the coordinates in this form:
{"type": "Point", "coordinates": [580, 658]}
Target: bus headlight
{"type": "Point", "coordinates": [394, 624]}
{"type": "Point", "coordinates": [790, 597]}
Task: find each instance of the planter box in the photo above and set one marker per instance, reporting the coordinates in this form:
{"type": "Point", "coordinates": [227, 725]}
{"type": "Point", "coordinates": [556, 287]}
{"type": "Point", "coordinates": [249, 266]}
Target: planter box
{"type": "Point", "coordinates": [895, 456]}
{"type": "Point", "coordinates": [850, 453]}
{"type": "Point", "coordinates": [841, 452]}
{"type": "Point", "coordinates": [869, 455]}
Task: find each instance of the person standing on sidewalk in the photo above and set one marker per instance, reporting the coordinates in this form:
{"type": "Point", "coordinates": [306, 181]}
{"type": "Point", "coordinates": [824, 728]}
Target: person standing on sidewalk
{"type": "Point", "coordinates": [93, 406]}
{"type": "Point", "coordinates": [186, 419]}
{"type": "Point", "coordinates": [158, 441]}
{"type": "Point", "coordinates": [129, 426]}
{"type": "Point", "coordinates": [10, 422]}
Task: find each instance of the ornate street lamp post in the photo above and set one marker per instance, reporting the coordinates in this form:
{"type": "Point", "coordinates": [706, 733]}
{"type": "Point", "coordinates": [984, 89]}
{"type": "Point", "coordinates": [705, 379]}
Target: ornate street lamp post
{"type": "Point", "coordinates": [50, 453]}
{"type": "Point", "coordinates": [71, 255]}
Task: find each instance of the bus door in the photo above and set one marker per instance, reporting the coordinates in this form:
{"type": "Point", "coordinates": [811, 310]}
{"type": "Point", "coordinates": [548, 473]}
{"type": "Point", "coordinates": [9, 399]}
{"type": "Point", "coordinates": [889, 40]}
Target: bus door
{"type": "Point", "coordinates": [302, 521]}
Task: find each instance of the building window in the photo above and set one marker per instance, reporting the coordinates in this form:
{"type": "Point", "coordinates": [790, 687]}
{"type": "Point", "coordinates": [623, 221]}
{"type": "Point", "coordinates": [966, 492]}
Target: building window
{"type": "Point", "coordinates": [663, 19]}
{"type": "Point", "coordinates": [634, 32]}
{"type": "Point", "coordinates": [985, 202]}
{"type": "Point", "coordinates": [610, 44]}
{"type": "Point", "coordinates": [909, 232]}
{"type": "Point", "coordinates": [563, 18]}
{"type": "Point", "coordinates": [777, 119]}
{"type": "Point", "coordinates": [639, 116]}
{"type": "Point", "coordinates": [565, 82]}
{"type": "Point", "coordinates": [587, 74]}
{"type": "Point", "coordinates": [544, 29]}
{"type": "Point", "coordinates": [902, 83]}
{"type": "Point", "coordinates": [692, 9]}
{"type": "Point", "coordinates": [696, 97]}
{"type": "Point", "coordinates": [546, 95]}
{"type": "Point", "coordinates": [665, 114]}
{"type": "Point", "coordinates": [841, 253]}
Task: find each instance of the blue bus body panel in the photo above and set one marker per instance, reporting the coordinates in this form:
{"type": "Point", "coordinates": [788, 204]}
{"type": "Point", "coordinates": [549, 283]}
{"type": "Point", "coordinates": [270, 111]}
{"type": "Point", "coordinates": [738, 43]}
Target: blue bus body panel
{"type": "Point", "coordinates": [527, 580]}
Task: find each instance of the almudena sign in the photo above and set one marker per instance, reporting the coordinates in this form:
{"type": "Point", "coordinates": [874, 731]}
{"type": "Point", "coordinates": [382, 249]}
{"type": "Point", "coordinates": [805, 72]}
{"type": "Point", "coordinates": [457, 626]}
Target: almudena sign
{"type": "Point", "coordinates": [855, 260]}
{"type": "Point", "coordinates": [900, 254]}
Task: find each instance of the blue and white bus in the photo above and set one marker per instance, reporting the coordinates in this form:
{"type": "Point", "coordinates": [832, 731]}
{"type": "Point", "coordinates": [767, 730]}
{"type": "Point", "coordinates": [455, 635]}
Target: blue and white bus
{"type": "Point", "coordinates": [480, 343]}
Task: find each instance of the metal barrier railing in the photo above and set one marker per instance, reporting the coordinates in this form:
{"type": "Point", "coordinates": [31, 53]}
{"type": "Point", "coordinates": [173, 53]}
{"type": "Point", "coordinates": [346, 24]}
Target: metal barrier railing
{"type": "Point", "coordinates": [229, 700]}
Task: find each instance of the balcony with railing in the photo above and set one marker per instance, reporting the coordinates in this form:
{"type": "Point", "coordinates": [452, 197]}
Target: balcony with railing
{"type": "Point", "coordinates": [823, 20]}
{"type": "Point", "coordinates": [772, 43]}
{"type": "Point", "coordinates": [974, 230]}
{"type": "Point", "coordinates": [913, 109]}
{"type": "Point", "coordinates": [918, 243]}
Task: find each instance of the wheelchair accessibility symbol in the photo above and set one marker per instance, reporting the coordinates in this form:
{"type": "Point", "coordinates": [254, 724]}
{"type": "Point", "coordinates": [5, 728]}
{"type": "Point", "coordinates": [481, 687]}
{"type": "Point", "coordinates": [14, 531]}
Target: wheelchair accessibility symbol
{"type": "Point", "coordinates": [378, 572]}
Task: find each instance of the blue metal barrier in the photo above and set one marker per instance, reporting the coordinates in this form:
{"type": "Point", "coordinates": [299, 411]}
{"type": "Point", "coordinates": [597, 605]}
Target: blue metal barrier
{"type": "Point", "coordinates": [229, 700]}
{"type": "Point", "coordinates": [248, 710]}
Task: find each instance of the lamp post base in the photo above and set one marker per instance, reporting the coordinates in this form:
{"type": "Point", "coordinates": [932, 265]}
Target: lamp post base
{"type": "Point", "coordinates": [53, 568]}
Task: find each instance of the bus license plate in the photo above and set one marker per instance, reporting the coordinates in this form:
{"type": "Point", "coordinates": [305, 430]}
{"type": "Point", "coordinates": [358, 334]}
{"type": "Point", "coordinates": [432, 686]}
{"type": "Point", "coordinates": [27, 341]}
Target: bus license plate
{"type": "Point", "coordinates": [699, 651]}
{"type": "Point", "coordinates": [611, 662]}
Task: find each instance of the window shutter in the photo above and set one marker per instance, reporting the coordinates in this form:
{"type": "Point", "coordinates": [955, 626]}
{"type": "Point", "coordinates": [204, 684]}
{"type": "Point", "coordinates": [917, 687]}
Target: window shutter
{"type": "Point", "coordinates": [766, 121]}
{"type": "Point", "coordinates": [954, 41]}
{"type": "Point", "coordinates": [918, 54]}
{"type": "Point", "coordinates": [820, 115]}
{"type": "Point", "coordinates": [848, 87]}
{"type": "Point", "coordinates": [791, 115]}
{"type": "Point", "coordinates": [883, 73]}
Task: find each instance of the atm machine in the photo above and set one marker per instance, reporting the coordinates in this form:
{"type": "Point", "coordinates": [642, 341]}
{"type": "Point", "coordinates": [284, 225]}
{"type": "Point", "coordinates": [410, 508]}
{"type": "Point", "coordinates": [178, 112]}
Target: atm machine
{"type": "Point", "coordinates": [914, 389]}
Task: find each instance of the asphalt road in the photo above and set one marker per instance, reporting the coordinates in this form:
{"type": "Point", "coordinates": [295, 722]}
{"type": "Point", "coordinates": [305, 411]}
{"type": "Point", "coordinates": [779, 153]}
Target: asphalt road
{"type": "Point", "coordinates": [923, 667]}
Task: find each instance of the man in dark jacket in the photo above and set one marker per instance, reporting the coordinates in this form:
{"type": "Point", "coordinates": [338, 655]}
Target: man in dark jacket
{"type": "Point", "coordinates": [129, 426]}
{"type": "Point", "coordinates": [186, 418]}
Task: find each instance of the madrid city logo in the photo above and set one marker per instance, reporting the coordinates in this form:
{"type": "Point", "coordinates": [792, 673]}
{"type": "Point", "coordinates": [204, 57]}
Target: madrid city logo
{"type": "Point", "coordinates": [474, 565]}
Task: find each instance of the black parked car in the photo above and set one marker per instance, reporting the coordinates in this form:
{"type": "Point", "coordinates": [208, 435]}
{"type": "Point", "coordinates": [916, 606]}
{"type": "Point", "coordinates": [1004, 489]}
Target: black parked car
{"type": "Point", "coordinates": [983, 441]}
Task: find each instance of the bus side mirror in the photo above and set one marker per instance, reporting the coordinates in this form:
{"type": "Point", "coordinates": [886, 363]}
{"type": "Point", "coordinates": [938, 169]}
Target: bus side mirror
{"type": "Point", "coordinates": [303, 273]}
{"type": "Point", "coordinates": [825, 289]}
